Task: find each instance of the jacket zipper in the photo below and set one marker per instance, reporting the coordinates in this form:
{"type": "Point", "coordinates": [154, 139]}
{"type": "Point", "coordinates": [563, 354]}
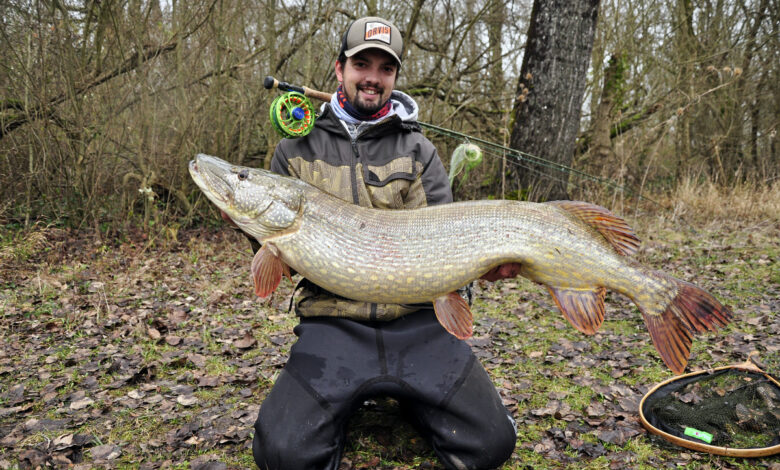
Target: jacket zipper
{"type": "Point", "coordinates": [353, 173]}
{"type": "Point", "coordinates": [356, 199]}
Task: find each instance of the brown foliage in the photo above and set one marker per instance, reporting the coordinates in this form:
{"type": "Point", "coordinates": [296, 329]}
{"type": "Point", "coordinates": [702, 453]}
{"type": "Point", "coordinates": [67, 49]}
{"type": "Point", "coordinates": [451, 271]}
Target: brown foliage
{"type": "Point", "coordinates": [103, 104]}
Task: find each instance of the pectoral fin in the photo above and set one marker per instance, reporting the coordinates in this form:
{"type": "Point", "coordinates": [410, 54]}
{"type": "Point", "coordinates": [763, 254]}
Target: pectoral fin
{"type": "Point", "coordinates": [267, 270]}
{"type": "Point", "coordinates": [583, 308]}
{"type": "Point", "coordinates": [454, 314]}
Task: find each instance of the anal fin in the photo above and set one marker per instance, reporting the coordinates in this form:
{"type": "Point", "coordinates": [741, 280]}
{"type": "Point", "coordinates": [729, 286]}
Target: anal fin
{"type": "Point", "coordinates": [267, 270]}
{"type": "Point", "coordinates": [583, 308]}
{"type": "Point", "coordinates": [454, 314]}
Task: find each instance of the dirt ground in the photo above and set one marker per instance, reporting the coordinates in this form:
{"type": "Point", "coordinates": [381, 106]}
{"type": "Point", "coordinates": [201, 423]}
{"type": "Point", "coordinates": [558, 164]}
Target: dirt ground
{"type": "Point", "coordinates": [152, 352]}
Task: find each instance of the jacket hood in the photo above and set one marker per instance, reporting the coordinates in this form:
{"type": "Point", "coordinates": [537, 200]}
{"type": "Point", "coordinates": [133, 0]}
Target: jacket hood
{"type": "Point", "coordinates": [404, 106]}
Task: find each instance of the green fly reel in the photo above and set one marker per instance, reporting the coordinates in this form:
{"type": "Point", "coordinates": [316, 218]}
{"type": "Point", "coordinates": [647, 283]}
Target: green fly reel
{"type": "Point", "coordinates": [292, 115]}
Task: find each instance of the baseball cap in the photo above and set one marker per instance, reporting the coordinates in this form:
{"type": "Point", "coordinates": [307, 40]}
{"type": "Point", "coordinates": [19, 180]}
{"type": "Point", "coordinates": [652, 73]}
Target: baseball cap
{"type": "Point", "coordinates": [372, 32]}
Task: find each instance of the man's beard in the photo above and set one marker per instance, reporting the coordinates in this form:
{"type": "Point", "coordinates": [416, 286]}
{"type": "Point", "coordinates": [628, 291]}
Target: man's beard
{"type": "Point", "coordinates": [364, 108]}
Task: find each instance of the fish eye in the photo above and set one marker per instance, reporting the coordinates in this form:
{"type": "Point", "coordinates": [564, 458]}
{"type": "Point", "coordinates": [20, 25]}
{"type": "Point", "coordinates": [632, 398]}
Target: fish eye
{"type": "Point", "coordinates": [243, 174]}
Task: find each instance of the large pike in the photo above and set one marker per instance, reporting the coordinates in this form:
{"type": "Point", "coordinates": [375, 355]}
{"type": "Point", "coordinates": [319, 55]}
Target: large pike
{"type": "Point", "coordinates": [575, 249]}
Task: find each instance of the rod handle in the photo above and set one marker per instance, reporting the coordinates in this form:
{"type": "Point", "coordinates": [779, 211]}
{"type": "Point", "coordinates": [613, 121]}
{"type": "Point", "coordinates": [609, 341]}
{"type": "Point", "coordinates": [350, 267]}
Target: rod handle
{"type": "Point", "coordinates": [270, 83]}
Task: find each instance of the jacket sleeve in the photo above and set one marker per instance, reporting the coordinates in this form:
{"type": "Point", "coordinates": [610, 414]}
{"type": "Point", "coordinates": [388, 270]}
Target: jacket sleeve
{"type": "Point", "coordinates": [279, 163]}
{"type": "Point", "coordinates": [435, 182]}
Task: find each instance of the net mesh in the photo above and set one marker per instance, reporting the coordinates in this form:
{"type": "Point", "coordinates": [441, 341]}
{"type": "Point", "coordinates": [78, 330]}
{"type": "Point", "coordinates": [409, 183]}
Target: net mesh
{"type": "Point", "coordinates": [740, 409]}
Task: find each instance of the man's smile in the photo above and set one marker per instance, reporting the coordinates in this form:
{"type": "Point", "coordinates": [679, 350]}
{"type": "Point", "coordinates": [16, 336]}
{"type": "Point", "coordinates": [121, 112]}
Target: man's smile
{"type": "Point", "coordinates": [369, 90]}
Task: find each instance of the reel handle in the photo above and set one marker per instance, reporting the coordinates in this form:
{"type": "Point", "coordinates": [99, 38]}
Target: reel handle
{"type": "Point", "coordinates": [271, 83]}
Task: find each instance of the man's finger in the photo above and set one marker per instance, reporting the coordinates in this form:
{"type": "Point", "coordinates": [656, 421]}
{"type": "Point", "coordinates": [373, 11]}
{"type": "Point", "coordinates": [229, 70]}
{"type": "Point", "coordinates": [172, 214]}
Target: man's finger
{"type": "Point", "coordinates": [504, 271]}
{"type": "Point", "coordinates": [227, 218]}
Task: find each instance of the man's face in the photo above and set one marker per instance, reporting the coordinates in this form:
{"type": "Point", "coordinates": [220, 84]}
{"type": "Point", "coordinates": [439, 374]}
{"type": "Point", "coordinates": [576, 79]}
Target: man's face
{"type": "Point", "coordinates": [367, 79]}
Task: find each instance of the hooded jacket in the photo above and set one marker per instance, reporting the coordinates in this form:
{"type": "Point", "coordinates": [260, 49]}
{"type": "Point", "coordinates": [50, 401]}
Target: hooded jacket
{"type": "Point", "coordinates": [388, 165]}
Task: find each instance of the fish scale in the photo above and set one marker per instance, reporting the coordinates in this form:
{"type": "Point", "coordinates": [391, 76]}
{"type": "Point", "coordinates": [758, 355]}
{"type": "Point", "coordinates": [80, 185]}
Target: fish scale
{"type": "Point", "coordinates": [393, 246]}
{"type": "Point", "coordinates": [575, 249]}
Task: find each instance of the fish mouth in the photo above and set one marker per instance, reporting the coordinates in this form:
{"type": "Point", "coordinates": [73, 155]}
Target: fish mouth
{"type": "Point", "coordinates": [210, 180]}
{"type": "Point", "coordinates": [207, 172]}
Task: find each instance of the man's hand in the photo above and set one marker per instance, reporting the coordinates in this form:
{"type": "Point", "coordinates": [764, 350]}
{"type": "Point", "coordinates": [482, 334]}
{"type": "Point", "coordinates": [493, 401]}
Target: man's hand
{"type": "Point", "coordinates": [227, 218]}
{"type": "Point", "coordinates": [503, 271]}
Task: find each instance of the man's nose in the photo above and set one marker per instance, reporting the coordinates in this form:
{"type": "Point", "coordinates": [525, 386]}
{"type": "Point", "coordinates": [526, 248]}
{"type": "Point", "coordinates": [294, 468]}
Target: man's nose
{"type": "Point", "coordinates": [371, 75]}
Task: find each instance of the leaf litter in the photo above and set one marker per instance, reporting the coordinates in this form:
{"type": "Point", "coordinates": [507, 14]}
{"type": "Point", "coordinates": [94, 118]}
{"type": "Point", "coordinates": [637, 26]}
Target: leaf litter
{"type": "Point", "coordinates": [140, 356]}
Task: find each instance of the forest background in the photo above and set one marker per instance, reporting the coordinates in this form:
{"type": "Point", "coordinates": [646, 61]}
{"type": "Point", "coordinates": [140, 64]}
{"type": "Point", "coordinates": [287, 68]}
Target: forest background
{"type": "Point", "coordinates": [102, 104]}
{"type": "Point", "coordinates": [130, 336]}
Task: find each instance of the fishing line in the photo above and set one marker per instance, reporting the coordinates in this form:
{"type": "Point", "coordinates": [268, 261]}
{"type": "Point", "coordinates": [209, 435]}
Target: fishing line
{"type": "Point", "coordinates": [525, 166]}
{"type": "Point", "coordinates": [521, 163]}
{"type": "Point", "coordinates": [498, 151]}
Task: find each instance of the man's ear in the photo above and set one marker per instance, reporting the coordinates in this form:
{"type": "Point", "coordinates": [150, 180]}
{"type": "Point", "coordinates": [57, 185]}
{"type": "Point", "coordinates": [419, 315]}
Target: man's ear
{"type": "Point", "coordinates": [339, 71]}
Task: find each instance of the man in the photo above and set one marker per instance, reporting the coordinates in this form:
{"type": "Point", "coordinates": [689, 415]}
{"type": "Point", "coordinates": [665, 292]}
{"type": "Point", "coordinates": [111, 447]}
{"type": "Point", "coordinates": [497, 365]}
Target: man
{"type": "Point", "coordinates": [367, 148]}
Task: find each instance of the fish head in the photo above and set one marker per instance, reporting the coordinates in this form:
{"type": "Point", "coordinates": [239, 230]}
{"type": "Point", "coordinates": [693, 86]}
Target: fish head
{"type": "Point", "coordinates": [260, 202]}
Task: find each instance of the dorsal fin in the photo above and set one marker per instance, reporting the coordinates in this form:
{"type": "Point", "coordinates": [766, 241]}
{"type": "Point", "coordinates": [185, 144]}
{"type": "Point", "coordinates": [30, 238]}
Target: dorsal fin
{"type": "Point", "coordinates": [613, 228]}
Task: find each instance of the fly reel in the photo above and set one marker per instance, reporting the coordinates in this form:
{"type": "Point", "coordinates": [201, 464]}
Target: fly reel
{"type": "Point", "coordinates": [292, 115]}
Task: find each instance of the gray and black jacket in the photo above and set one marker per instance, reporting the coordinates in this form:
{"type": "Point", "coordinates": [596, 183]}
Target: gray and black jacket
{"type": "Point", "coordinates": [387, 165]}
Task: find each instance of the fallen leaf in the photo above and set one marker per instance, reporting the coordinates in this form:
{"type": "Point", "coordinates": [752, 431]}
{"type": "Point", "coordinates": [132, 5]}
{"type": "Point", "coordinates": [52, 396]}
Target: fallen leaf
{"type": "Point", "coordinates": [549, 410]}
{"type": "Point", "coordinates": [15, 395]}
{"type": "Point", "coordinates": [186, 400]}
{"type": "Point", "coordinates": [545, 446]}
{"type": "Point", "coordinates": [208, 381]}
{"type": "Point", "coordinates": [194, 441]}
{"type": "Point", "coordinates": [173, 340]}
{"type": "Point", "coordinates": [106, 452]}
{"type": "Point", "coordinates": [618, 436]}
{"type": "Point", "coordinates": [153, 333]}
{"type": "Point", "coordinates": [247, 341]}
{"type": "Point", "coordinates": [177, 316]}
{"type": "Point", "coordinates": [81, 404]}
{"type": "Point", "coordinates": [198, 360]}
{"type": "Point", "coordinates": [66, 441]}
{"type": "Point", "coordinates": [595, 410]}
{"type": "Point", "coordinates": [9, 411]}
{"type": "Point", "coordinates": [33, 458]}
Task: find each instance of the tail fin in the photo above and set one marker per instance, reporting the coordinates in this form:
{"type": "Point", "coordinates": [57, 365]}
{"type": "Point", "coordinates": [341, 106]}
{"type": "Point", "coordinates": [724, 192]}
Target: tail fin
{"type": "Point", "coordinates": [671, 324]}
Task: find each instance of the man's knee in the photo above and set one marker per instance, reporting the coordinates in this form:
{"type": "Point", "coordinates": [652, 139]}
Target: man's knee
{"type": "Point", "coordinates": [294, 431]}
{"type": "Point", "coordinates": [485, 450]}
{"type": "Point", "coordinates": [498, 446]}
{"type": "Point", "coordinates": [268, 454]}
{"type": "Point", "coordinates": [262, 451]}
{"type": "Point", "coordinates": [273, 452]}
{"type": "Point", "coordinates": [484, 431]}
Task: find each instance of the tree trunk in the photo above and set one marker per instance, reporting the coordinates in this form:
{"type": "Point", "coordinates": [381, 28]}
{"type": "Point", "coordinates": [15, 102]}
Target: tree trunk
{"type": "Point", "coordinates": [687, 53]}
{"type": "Point", "coordinates": [735, 139]}
{"type": "Point", "coordinates": [614, 81]}
{"type": "Point", "coordinates": [495, 24]}
{"type": "Point", "coordinates": [272, 56]}
{"type": "Point", "coordinates": [550, 91]}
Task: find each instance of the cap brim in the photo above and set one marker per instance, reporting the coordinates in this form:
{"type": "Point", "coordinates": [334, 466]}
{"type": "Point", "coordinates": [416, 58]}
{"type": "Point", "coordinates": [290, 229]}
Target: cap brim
{"type": "Point", "coordinates": [363, 47]}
